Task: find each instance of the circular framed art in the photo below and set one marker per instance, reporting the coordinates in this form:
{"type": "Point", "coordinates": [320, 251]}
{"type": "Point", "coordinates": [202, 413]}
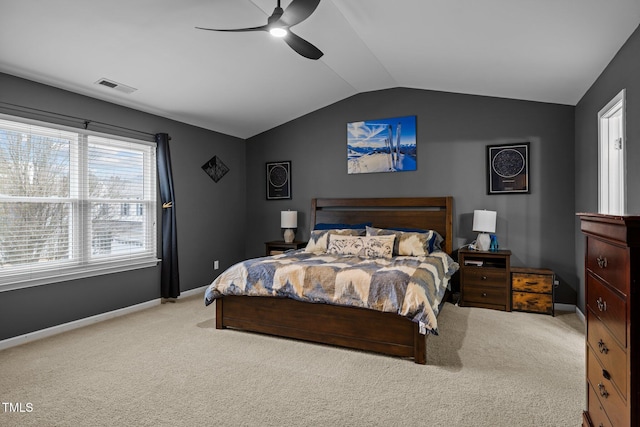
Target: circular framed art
{"type": "Point", "coordinates": [279, 180]}
{"type": "Point", "coordinates": [508, 168]}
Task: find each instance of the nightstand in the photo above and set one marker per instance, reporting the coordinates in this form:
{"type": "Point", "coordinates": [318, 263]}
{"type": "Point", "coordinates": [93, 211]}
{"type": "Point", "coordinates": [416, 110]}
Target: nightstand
{"type": "Point", "coordinates": [532, 290]}
{"type": "Point", "coordinates": [276, 247]}
{"type": "Point", "coordinates": [485, 279]}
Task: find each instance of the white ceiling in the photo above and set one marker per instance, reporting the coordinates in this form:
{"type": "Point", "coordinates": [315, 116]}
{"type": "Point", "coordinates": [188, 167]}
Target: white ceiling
{"type": "Point", "coordinates": [242, 84]}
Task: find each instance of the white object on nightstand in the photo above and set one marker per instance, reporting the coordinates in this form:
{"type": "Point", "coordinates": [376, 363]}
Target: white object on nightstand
{"type": "Point", "coordinates": [289, 221]}
{"type": "Point", "coordinates": [484, 222]}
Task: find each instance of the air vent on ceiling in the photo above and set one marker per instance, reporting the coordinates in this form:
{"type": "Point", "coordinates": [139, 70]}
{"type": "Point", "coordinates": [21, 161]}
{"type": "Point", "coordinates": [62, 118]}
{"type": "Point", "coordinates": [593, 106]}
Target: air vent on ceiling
{"type": "Point", "coordinates": [116, 86]}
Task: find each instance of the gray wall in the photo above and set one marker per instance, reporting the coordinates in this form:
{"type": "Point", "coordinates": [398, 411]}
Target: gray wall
{"type": "Point", "coordinates": [623, 72]}
{"type": "Point", "coordinates": [210, 216]}
{"type": "Point", "coordinates": [453, 132]}
{"type": "Point", "coordinates": [217, 220]}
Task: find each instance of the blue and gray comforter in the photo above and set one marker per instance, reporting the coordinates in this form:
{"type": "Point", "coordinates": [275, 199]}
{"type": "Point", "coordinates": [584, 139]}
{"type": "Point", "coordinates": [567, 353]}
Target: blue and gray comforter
{"type": "Point", "coordinates": [409, 286]}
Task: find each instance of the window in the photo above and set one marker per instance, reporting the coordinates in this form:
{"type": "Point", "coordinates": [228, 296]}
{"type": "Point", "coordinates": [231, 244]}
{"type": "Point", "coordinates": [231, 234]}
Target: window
{"type": "Point", "coordinates": [67, 201]}
{"type": "Point", "coordinates": [612, 164]}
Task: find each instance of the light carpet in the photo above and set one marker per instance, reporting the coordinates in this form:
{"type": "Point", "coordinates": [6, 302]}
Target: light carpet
{"type": "Point", "coordinates": [169, 366]}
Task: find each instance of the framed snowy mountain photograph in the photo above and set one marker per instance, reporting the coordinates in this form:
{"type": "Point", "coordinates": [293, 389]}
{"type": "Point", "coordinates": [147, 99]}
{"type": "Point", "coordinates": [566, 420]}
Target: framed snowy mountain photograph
{"type": "Point", "coordinates": [382, 145]}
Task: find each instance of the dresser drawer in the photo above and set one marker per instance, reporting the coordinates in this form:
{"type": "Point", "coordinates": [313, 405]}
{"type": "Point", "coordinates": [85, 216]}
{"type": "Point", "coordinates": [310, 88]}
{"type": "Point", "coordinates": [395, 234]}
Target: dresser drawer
{"type": "Point", "coordinates": [484, 276]}
{"type": "Point", "coordinates": [484, 294]}
{"type": "Point", "coordinates": [528, 301]}
{"type": "Point", "coordinates": [528, 282]}
{"type": "Point", "coordinates": [609, 262]}
{"type": "Point", "coordinates": [609, 308]}
{"type": "Point", "coordinates": [596, 411]}
{"type": "Point", "coordinates": [606, 394]}
{"type": "Point", "coordinates": [609, 353]}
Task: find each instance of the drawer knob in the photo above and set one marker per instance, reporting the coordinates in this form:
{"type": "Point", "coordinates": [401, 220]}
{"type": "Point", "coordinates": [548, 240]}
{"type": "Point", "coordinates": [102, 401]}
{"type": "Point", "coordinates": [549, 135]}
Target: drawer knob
{"type": "Point", "coordinates": [602, 304]}
{"type": "Point", "coordinates": [603, 347]}
{"type": "Point", "coordinates": [484, 294]}
{"type": "Point", "coordinates": [602, 262]}
{"type": "Point", "coordinates": [484, 277]}
{"type": "Point", "coordinates": [603, 392]}
{"type": "Point", "coordinates": [606, 374]}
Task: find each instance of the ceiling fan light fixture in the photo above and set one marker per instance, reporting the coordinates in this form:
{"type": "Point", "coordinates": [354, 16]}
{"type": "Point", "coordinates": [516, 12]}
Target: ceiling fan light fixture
{"type": "Point", "coordinates": [278, 32]}
{"type": "Point", "coordinates": [279, 22]}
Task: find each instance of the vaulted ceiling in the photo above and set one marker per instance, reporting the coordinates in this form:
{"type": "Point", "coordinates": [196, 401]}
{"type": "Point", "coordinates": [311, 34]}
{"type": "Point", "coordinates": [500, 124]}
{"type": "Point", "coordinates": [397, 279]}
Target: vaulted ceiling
{"type": "Point", "coordinates": [242, 84]}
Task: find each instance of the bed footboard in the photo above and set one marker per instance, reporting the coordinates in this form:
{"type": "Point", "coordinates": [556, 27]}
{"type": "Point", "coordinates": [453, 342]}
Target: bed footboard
{"type": "Point", "coordinates": [350, 327]}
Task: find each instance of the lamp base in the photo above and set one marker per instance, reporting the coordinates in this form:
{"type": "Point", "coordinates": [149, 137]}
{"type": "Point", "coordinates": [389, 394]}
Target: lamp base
{"type": "Point", "coordinates": [483, 242]}
{"type": "Point", "coordinates": [289, 235]}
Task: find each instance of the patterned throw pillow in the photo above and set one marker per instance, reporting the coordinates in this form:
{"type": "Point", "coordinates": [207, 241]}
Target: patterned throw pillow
{"type": "Point", "coordinates": [362, 246]}
{"type": "Point", "coordinates": [410, 243]}
{"type": "Point", "coordinates": [319, 239]}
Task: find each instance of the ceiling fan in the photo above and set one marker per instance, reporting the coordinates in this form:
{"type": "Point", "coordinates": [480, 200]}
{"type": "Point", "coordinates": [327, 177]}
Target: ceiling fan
{"type": "Point", "coordinates": [279, 25]}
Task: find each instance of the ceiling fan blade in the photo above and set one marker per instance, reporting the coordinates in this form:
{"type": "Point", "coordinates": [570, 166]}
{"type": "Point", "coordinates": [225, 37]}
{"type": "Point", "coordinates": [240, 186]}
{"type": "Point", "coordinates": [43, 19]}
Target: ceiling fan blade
{"type": "Point", "coordinates": [302, 46]}
{"type": "Point", "coordinates": [298, 11]}
{"type": "Point", "coordinates": [236, 30]}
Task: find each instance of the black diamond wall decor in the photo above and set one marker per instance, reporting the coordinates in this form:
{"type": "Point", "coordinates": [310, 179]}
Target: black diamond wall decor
{"type": "Point", "coordinates": [215, 168]}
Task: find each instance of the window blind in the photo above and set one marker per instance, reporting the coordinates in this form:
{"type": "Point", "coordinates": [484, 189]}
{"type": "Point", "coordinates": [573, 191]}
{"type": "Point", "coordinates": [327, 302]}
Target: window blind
{"type": "Point", "coordinates": [73, 203]}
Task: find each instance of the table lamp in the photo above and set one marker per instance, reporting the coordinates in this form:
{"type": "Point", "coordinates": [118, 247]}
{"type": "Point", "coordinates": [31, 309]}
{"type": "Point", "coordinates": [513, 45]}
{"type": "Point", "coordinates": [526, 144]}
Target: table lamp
{"type": "Point", "coordinates": [484, 222]}
{"type": "Point", "coordinates": [289, 221]}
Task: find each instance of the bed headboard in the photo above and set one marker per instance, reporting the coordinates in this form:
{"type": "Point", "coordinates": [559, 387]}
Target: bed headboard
{"type": "Point", "coordinates": [428, 213]}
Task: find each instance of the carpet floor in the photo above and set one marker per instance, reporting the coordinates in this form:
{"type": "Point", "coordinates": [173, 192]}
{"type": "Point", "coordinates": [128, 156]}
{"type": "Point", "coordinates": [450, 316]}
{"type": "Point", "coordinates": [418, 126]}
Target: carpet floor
{"type": "Point", "coordinates": [169, 366]}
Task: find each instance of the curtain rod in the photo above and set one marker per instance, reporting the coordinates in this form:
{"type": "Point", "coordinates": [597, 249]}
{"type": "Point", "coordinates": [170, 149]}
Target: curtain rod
{"type": "Point", "coordinates": [85, 122]}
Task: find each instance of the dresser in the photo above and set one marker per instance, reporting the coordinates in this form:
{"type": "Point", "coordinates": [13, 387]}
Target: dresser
{"type": "Point", "coordinates": [485, 279]}
{"type": "Point", "coordinates": [612, 268]}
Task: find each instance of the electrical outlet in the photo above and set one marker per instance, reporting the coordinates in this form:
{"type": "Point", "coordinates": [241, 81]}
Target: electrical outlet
{"type": "Point", "coordinates": [216, 264]}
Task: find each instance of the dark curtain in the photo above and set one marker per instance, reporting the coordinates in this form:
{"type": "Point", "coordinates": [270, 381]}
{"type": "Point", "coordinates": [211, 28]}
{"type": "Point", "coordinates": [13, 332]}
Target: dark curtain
{"type": "Point", "coordinates": [170, 280]}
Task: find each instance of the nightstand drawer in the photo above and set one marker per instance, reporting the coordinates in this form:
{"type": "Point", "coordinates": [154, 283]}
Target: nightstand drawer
{"type": "Point", "coordinates": [606, 261]}
{"type": "Point", "coordinates": [484, 276]}
{"type": "Point", "coordinates": [609, 308]}
{"type": "Point", "coordinates": [529, 301]}
{"type": "Point", "coordinates": [612, 357]}
{"type": "Point", "coordinates": [606, 394]}
{"type": "Point", "coordinates": [276, 247]}
{"type": "Point", "coordinates": [485, 294]}
{"type": "Point", "coordinates": [528, 282]}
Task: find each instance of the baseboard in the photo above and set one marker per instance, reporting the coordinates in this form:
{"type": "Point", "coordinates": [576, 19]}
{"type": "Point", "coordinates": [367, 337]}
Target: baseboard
{"type": "Point", "coordinates": [569, 307]}
{"type": "Point", "coordinates": [58, 329]}
{"type": "Point", "coordinates": [564, 307]}
{"type": "Point", "coordinates": [195, 291]}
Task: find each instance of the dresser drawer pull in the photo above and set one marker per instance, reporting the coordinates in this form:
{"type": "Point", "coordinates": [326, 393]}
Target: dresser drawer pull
{"type": "Point", "coordinates": [602, 305]}
{"type": "Point", "coordinates": [602, 262]}
{"type": "Point", "coordinates": [531, 283]}
{"type": "Point", "coordinates": [606, 374]}
{"type": "Point", "coordinates": [484, 294]}
{"type": "Point", "coordinates": [603, 392]}
{"type": "Point", "coordinates": [603, 347]}
{"type": "Point", "coordinates": [484, 278]}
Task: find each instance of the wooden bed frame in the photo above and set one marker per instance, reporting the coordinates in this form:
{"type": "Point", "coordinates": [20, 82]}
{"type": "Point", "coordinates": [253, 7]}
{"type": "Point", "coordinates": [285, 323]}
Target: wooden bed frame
{"type": "Point", "coordinates": [351, 327]}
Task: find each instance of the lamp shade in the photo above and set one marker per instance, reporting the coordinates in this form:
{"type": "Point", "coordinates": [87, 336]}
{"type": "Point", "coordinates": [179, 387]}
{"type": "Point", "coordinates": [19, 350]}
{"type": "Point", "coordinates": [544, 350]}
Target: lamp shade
{"type": "Point", "coordinates": [288, 219]}
{"type": "Point", "coordinates": [484, 221]}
